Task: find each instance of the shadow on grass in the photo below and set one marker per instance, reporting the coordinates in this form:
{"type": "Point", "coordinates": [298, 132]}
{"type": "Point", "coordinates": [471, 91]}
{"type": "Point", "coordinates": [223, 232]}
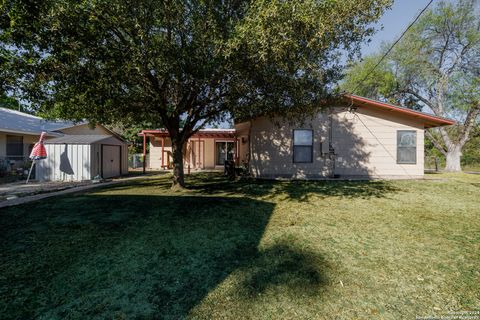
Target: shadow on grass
{"type": "Point", "coordinates": [285, 269]}
{"type": "Point", "coordinates": [148, 257]}
{"type": "Point", "coordinates": [213, 183]}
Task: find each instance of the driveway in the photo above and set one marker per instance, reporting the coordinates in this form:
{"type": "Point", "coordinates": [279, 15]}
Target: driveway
{"type": "Point", "coordinates": [18, 192]}
{"type": "Point", "coordinates": [18, 189]}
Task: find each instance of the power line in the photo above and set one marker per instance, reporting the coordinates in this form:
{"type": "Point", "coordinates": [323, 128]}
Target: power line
{"type": "Point", "coordinates": [380, 142]}
{"type": "Point", "coordinates": [393, 45]}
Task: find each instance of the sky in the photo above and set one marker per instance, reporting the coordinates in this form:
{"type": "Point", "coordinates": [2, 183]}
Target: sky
{"type": "Point", "coordinates": [394, 22]}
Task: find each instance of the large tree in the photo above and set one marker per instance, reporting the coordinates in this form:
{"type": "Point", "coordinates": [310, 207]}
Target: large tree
{"type": "Point", "coordinates": [436, 66]}
{"type": "Point", "coordinates": [185, 62]}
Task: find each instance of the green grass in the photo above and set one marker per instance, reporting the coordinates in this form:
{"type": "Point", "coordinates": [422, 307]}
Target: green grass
{"type": "Point", "coordinates": [247, 249]}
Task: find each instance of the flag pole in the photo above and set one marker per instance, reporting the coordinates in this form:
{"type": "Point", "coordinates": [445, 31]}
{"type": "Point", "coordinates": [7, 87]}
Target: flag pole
{"type": "Point", "coordinates": [30, 171]}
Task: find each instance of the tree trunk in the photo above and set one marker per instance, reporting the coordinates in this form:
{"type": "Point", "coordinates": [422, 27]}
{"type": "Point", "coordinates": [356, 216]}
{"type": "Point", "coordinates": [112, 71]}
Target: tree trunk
{"type": "Point", "coordinates": [178, 182]}
{"type": "Point", "coordinates": [453, 159]}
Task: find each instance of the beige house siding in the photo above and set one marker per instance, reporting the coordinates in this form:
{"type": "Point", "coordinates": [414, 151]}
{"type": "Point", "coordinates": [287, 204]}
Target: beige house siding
{"type": "Point", "coordinates": [155, 152]}
{"type": "Point", "coordinates": [209, 153]}
{"type": "Point", "coordinates": [196, 161]}
{"type": "Point", "coordinates": [271, 149]}
{"type": "Point", "coordinates": [364, 146]}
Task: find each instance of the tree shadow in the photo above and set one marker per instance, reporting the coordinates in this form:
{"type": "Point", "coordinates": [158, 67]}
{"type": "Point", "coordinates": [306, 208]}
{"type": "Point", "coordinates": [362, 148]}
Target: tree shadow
{"type": "Point", "coordinates": [134, 256]}
{"type": "Point", "coordinates": [286, 269]}
{"type": "Point", "coordinates": [215, 183]}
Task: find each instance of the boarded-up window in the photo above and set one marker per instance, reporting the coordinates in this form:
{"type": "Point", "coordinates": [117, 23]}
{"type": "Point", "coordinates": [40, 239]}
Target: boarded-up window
{"type": "Point", "coordinates": [302, 146]}
{"type": "Point", "coordinates": [406, 147]}
{"type": "Point", "coordinates": [15, 147]}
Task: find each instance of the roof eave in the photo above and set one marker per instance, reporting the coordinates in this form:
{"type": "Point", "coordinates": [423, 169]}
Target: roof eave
{"type": "Point", "coordinates": [429, 121]}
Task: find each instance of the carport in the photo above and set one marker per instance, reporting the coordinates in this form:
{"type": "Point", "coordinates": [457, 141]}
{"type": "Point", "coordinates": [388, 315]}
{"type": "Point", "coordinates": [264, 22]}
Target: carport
{"type": "Point", "coordinates": [83, 157]}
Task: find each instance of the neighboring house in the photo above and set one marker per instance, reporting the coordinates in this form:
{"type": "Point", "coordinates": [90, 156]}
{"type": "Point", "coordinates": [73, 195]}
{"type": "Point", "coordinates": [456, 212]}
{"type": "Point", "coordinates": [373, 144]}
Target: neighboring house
{"type": "Point", "coordinates": [359, 138]}
{"type": "Point", "coordinates": [19, 131]}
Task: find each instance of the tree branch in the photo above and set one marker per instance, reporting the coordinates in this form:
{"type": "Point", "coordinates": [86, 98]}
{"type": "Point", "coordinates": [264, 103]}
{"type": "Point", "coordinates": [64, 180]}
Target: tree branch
{"type": "Point", "coordinates": [469, 123]}
{"type": "Point", "coordinates": [427, 102]}
{"type": "Point", "coordinates": [435, 142]}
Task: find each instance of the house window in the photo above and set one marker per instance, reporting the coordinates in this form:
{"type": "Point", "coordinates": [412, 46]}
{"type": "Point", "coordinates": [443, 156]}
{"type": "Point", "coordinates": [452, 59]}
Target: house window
{"type": "Point", "coordinates": [302, 146]}
{"type": "Point", "coordinates": [224, 151]}
{"type": "Point", "coordinates": [406, 147]}
{"type": "Point", "coordinates": [15, 147]}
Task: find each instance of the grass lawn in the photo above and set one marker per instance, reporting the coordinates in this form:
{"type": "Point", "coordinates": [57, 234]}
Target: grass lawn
{"type": "Point", "coordinates": [235, 250]}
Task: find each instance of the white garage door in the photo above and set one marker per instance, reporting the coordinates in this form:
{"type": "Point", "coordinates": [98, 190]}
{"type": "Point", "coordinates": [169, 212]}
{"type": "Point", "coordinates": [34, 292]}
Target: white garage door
{"type": "Point", "coordinates": [110, 161]}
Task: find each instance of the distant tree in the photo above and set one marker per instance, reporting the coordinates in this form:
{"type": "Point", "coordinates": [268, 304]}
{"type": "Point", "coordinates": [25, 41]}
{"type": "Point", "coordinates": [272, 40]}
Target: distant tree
{"type": "Point", "coordinates": [471, 150]}
{"type": "Point", "coordinates": [130, 132]}
{"type": "Point", "coordinates": [437, 67]}
{"type": "Point", "coordinates": [5, 81]}
{"type": "Point", "coordinates": [9, 102]}
{"type": "Point", "coordinates": [186, 61]}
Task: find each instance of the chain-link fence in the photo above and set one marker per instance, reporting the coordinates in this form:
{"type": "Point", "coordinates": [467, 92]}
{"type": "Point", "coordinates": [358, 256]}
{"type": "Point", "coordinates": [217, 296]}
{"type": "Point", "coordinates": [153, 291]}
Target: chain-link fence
{"type": "Point", "coordinates": [135, 161]}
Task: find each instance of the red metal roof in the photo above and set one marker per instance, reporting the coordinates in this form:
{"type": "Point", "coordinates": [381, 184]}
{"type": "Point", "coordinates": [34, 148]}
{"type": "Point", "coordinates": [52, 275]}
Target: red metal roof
{"type": "Point", "coordinates": [429, 120]}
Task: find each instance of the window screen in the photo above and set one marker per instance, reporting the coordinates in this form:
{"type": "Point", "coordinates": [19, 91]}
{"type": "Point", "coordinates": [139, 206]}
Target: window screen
{"type": "Point", "coordinates": [302, 146]}
{"type": "Point", "coordinates": [406, 147]}
{"type": "Point", "coordinates": [14, 147]}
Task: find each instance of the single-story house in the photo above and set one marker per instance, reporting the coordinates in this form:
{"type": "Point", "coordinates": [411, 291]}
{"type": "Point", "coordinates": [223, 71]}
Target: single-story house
{"type": "Point", "coordinates": [357, 138]}
{"type": "Point", "coordinates": [19, 131]}
{"type": "Point", "coordinates": [206, 149]}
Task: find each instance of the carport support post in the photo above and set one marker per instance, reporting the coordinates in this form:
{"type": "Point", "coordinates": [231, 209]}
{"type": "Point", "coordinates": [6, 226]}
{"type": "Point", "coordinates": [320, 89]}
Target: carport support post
{"type": "Point", "coordinates": [198, 154]}
{"type": "Point", "coordinates": [144, 152]}
{"type": "Point", "coordinates": [163, 152]}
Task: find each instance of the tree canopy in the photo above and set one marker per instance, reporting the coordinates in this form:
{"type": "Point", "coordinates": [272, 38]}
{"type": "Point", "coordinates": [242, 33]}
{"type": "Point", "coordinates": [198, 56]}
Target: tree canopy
{"type": "Point", "coordinates": [187, 63]}
{"type": "Point", "coordinates": [435, 67]}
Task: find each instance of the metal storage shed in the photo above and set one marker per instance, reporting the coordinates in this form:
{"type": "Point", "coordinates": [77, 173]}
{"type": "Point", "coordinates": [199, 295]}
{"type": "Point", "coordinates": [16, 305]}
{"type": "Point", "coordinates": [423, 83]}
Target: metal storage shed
{"type": "Point", "coordinates": [83, 157]}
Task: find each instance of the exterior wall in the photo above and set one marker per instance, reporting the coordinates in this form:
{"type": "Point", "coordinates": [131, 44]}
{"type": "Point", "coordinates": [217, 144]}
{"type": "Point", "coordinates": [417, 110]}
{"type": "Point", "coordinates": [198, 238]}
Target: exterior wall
{"type": "Point", "coordinates": [96, 160]}
{"type": "Point", "coordinates": [271, 149]}
{"type": "Point", "coordinates": [65, 162]}
{"type": "Point", "coordinates": [209, 153]}
{"type": "Point", "coordinates": [364, 146]}
{"type": "Point", "coordinates": [85, 129]}
{"type": "Point", "coordinates": [28, 141]}
{"type": "Point", "coordinates": [155, 152]}
{"type": "Point", "coordinates": [243, 132]}
{"type": "Point", "coordinates": [3, 144]}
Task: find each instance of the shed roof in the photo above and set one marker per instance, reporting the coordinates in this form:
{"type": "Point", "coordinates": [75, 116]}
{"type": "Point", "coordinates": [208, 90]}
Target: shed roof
{"type": "Point", "coordinates": [78, 139]}
{"type": "Point", "coordinates": [24, 123]}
